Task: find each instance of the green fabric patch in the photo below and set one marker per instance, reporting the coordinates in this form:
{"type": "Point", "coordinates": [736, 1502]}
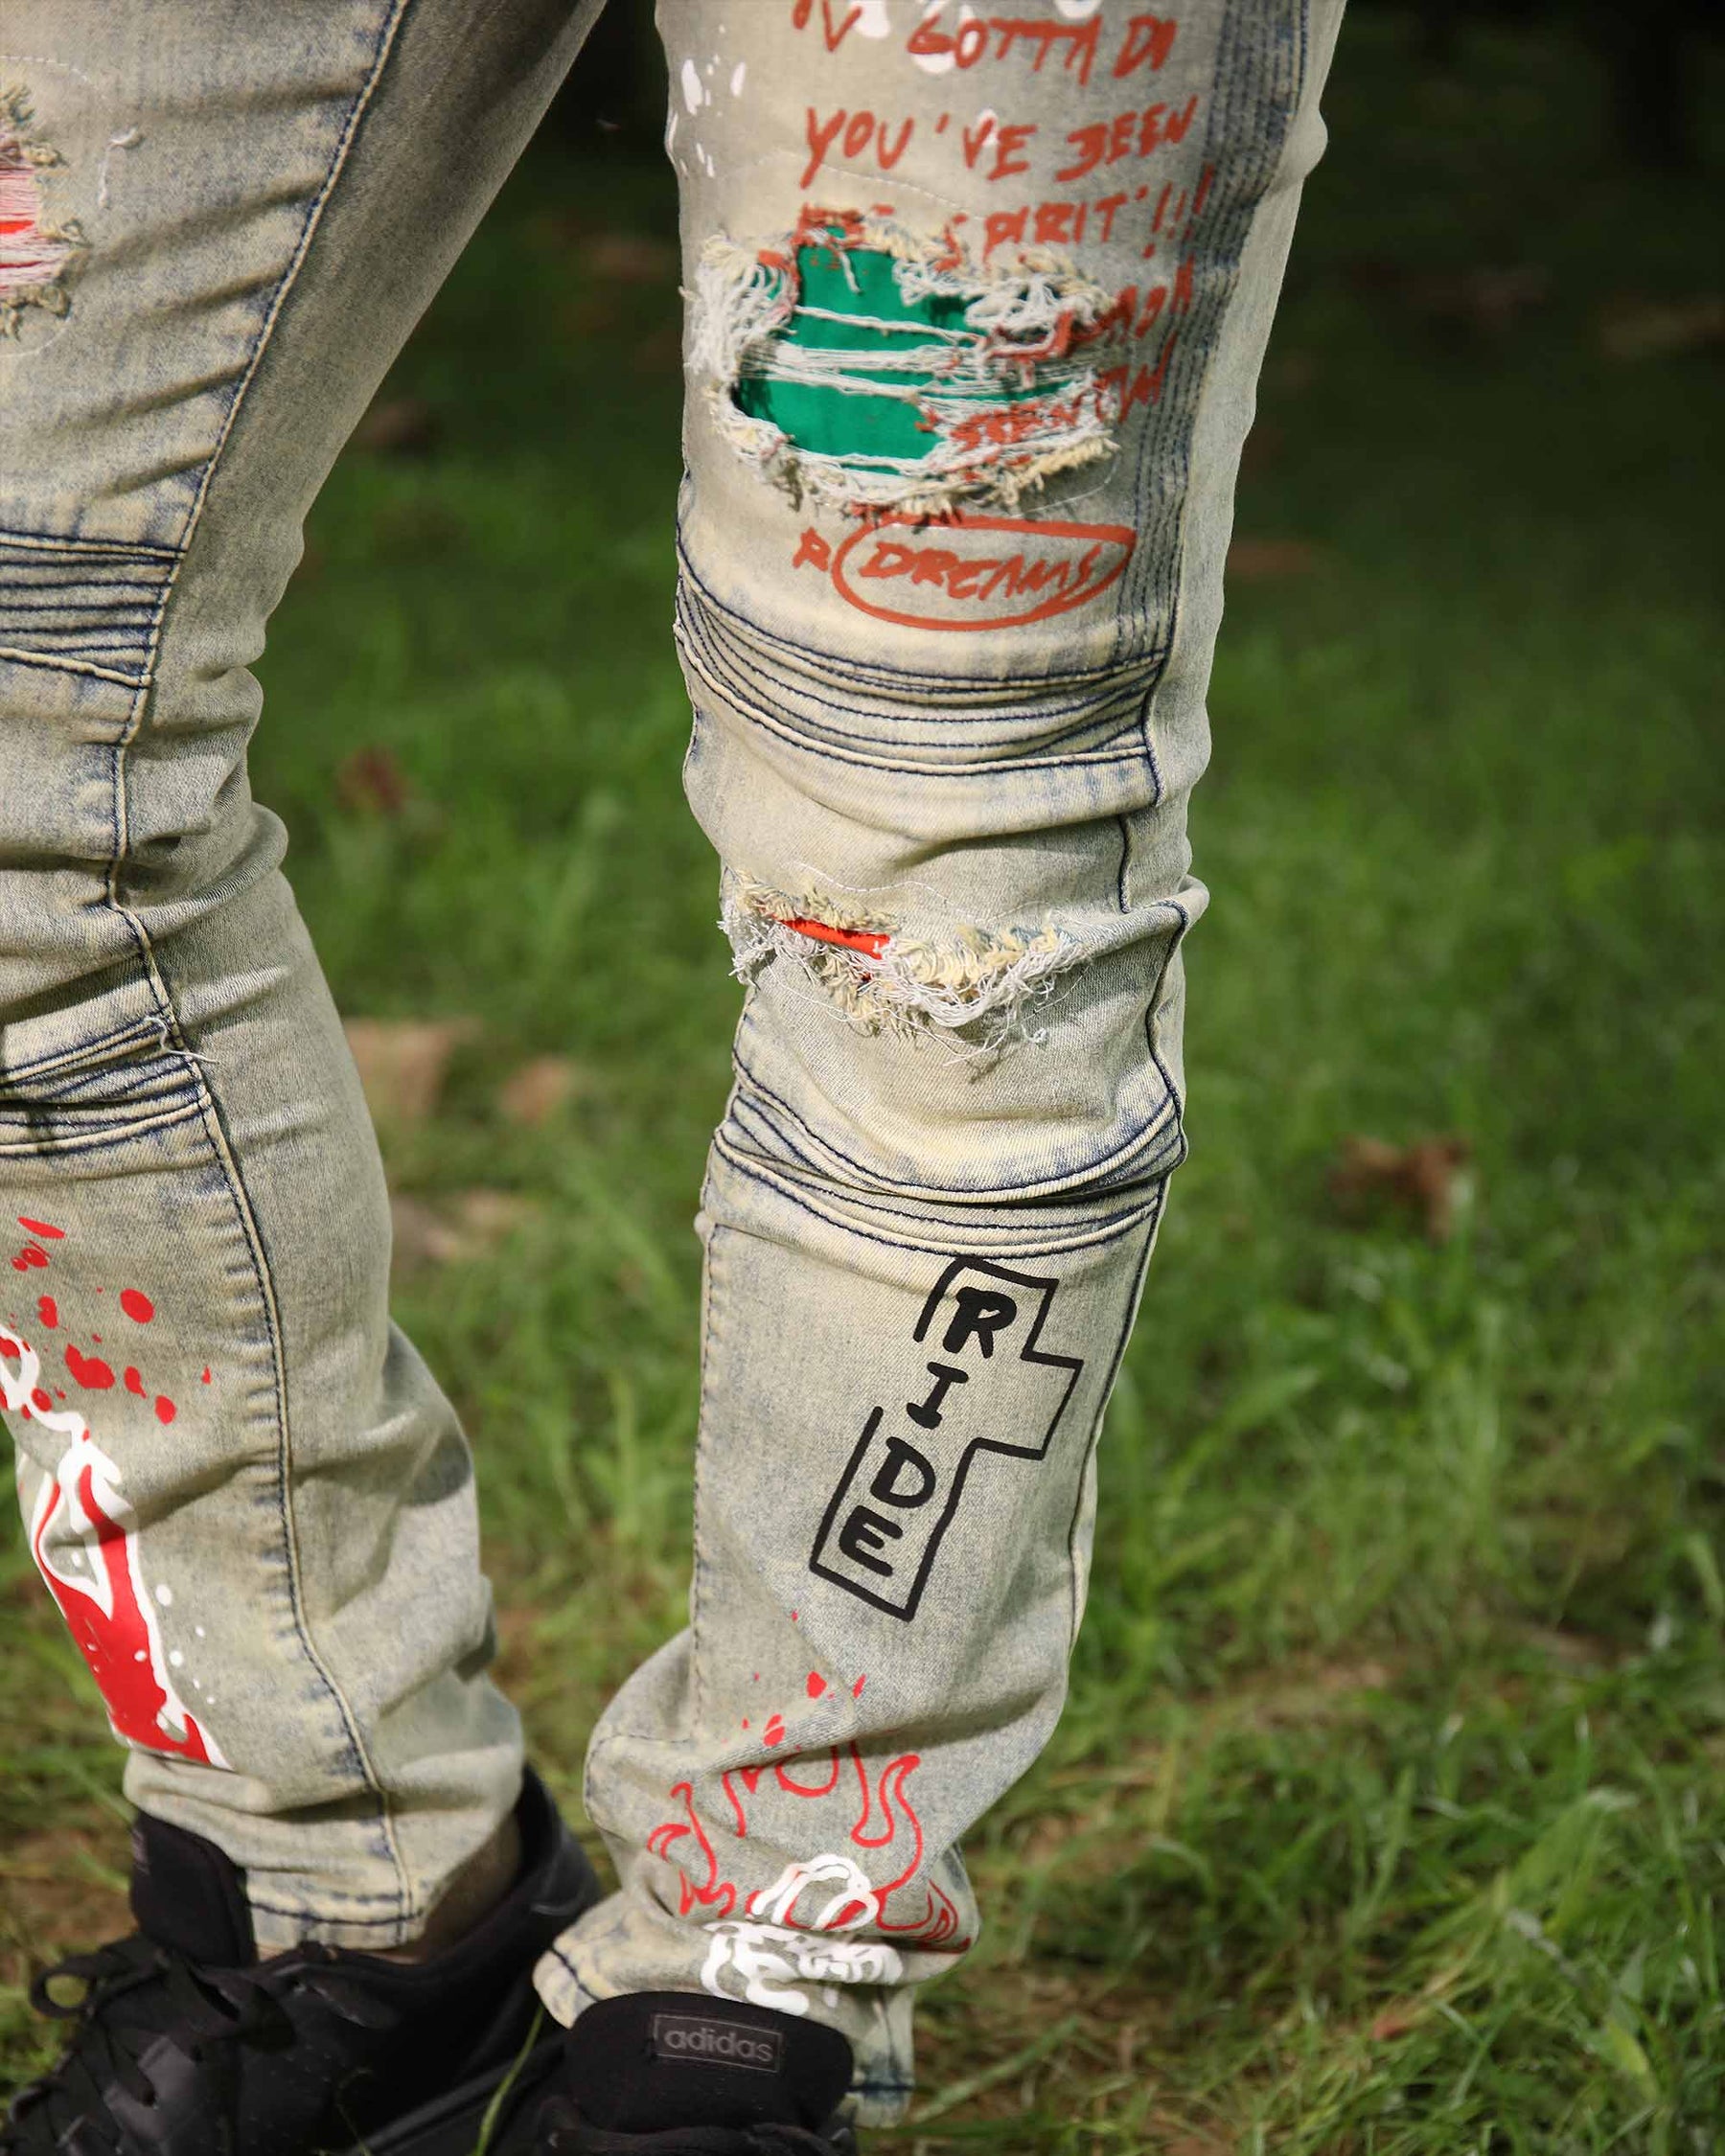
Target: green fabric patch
{"type": "Point", "coordinates": [838, 420]}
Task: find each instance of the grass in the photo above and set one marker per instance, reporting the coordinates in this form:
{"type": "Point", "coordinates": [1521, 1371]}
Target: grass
{"type": "Point", "coordinates": [1389, 1816]}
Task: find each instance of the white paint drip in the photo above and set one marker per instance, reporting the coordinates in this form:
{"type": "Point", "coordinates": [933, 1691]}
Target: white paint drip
{"type": "Point", "coordinates": [738, 73]}
{"type": "Point", "coordinates": [767, 1962]}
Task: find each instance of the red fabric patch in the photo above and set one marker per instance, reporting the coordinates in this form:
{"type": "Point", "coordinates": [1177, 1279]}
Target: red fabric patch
{"type": "Point", "coordinates": [871, 946]}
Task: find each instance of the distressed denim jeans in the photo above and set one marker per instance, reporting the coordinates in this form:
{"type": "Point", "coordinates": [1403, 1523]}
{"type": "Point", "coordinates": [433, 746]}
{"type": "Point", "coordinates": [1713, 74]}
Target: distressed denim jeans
{"type": "Point", "coordinates": [976, 303]}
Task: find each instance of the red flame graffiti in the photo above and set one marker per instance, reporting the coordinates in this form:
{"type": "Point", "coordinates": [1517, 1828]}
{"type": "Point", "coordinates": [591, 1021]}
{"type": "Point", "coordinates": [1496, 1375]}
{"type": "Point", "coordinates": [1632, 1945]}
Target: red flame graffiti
{"type": "Point", "coordinates": [886, 1820]}
{"type": "Point", "coordinates": [83, 1538]}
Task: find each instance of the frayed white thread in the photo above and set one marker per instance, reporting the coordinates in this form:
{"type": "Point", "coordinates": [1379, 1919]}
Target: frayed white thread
{"type": "Point", "coordinates": [977, 990]}
{"type": "Point", "coordinates": [1009, 401]}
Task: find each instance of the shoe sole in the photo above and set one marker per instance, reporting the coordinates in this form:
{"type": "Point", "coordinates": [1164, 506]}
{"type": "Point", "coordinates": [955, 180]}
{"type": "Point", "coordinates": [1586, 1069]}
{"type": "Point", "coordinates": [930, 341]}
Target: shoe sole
{"type": "Point", "coordinates": [452, 2125]}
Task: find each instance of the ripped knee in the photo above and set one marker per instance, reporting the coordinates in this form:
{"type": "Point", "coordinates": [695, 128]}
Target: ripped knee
{"type": "Point", "coordinates": [976, 988]}
{"type": "Point", "coordinates": [870, 368]}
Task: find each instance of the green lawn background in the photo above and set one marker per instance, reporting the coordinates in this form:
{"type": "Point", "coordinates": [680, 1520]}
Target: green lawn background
{"type": "Point", "coordinates": [1388, 1816]}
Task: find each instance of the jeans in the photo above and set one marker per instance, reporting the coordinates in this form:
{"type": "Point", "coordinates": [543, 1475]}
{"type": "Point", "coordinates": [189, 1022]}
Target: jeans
{"type": "Point", "coordinates": [976, 308]}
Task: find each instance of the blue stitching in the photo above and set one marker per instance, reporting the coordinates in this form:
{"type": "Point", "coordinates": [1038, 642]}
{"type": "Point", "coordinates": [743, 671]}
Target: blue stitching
{"type": "Point", "coordinates": [1036, 1182]}
{"type": "Point", "coordinates": [1103, 672]}
{"type": "Point", "coordinates": [793, 1197]}
{"type": "Point", "coordinates": [731, 672]}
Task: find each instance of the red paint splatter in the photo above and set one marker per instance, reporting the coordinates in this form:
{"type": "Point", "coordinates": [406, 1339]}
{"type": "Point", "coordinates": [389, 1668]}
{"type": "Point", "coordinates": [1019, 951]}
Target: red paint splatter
{"type": "Point", "coordinates": [42, 1402]}
{"type": "Point", "coordinates": [40, 1228]}
{"type": "Point", "coordinates": [48, 1311]}
{"type": "Point", "coordinates": [793, 1617]}
{"type": "Point", "coordinates": [113, 1627]}
{"type": "Point", "coordinates": [166, 1410]}
{"type": "Point", "coordinates": [137, 1307]}
{"type": "Point", "coordinates": [745, 1721]}
{"type": "Point", "coordinates": [774, 1731]}
{"type": "Point", "coordinates": [205, 1379]}
{"type": "Point", "coordinates": [134, 1382]}
{"type": "Point", "coordinates": [88, 1371]}
{"type": "Point", "coordinates": [815, 1683]}
{"type": "Point", "coordinates": [32, 1253]}
{"type": "Point", "coordinates": [857, 1688]}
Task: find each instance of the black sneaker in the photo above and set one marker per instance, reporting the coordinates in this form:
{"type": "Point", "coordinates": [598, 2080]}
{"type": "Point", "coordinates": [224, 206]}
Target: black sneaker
{"type": "Point", "coordinates": [188, 2045]}
{"type": "Point", "coordinates": [673, 2074]}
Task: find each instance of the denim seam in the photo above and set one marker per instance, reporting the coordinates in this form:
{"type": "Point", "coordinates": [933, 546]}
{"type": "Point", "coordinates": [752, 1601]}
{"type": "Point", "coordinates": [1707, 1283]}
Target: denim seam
{"type": "Point", "coordinates": [809, 735]}
{"type": "Point", "coordinates": [1061, 1248]}
{"type": "Point", "coordinates": [960, 773]}
{"type": "Point", "coordinates": [698, 1567]}
{"type": "Point", "coordinates": [1153, 1005]}
{"type": "Point", "coordinates": [213, 1120]}
{"type": "Point", "coordinates": [89, 1051]}
{"type": "Point", "coordinates": [16, 656]}
{"type": "Point", "coordinates": [693, 632]}
{"type": "Point", "coordinates": [1121, 1152]}
{"type": "Point", "coordinates": [123, 550]}
{"type": "Point", "coordinates": [891, 1212]}
{"type": "Point", "coordinates": [771, 638]}
{"type": "Point", "coordinates": [1095, 1430]}
{"type": "Point", "coordinates": [325, 1915]}
{"type": "Point", "coordinates": [39, 1146]}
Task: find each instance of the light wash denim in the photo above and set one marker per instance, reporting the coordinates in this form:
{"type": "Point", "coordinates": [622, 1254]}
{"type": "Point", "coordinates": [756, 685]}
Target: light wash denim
{"type": "Point", "coordinates": [976, 306]}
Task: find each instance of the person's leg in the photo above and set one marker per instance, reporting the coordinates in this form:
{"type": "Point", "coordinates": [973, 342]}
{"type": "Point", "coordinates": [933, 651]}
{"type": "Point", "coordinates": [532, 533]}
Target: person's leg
{"type": "Point", "coordinates": [243, 1488]}
{"type": "Point", "coordinates": [978, 303]}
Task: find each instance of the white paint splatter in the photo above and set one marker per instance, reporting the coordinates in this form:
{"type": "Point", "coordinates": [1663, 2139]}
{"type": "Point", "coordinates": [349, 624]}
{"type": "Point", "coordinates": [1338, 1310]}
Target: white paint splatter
{"type": "Point", "coordinates": [872, 19]}
{"type": "Point", "coordinates": [129, 140]}
{"type": "Point", "coordinates": [768, 1960]}
{"type": "Point", "coordinates": [692, 93]}
{"type": "Point", "coordinates": [737, 74]}
{"type": "Point", "coordinates": [940, 63]}
{"type": "Point", "coordinates": [165, 1596]}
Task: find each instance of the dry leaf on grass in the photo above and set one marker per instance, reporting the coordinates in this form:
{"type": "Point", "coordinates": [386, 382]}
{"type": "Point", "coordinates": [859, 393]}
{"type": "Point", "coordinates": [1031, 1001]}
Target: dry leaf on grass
{"type": "Point", "coordinates": [1424, 1178]}
{"type": "Point", "coordinates": [629, 258]}
{"type": "Point", "coordinates": [660, 350]}
{"type": "Point", "coordinates": [1259, 561]}
{"type": "Point", "coordinates": [468, 1224]}
{"type": "Point", "coordinates": [372, 781]}
{"type": "Point", "coordinates": [398, 426]}
{"type": "Point", "coordinates": [540, 1088]}
{"type": "Point", "coordinates": [1486, 297]}
{"type": "Point", "coordinates": [403, 1062]}
{"type": "Point", "coordinates": [1639, 328]}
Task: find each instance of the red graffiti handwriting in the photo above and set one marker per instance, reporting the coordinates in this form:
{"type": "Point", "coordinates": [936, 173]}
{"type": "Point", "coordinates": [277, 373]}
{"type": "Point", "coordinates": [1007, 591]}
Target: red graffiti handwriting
{"type": "Point", "coordinates": [1146, 41]}
{"type": "Point", "coordinates": [853, 132]}
{"type": "Point", "coordinates": [1008, 138]}
{"type": "Point", "coordinates": [1129, 134]}
{"type": "Point", "coordinates": [834, 29]}
{"type": "Point", "coordinates": [971, 572]}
